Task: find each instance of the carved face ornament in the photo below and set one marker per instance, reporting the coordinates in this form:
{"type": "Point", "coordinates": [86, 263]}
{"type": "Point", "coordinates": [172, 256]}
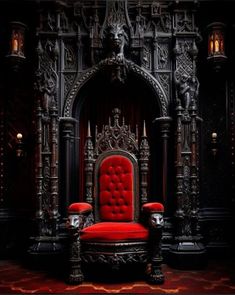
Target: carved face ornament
{"type": "Point", "coordinates": [117, 36]}
{"type": "Point", "coordinates": [73, 221]}
{"type": "Point", "coordinates": [156, 220]}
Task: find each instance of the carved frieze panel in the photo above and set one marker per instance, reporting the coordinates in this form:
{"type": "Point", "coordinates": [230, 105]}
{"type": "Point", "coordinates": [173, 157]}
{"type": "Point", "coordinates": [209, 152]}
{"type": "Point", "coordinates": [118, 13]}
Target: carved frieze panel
{"type": "Point", "coordinates": [70, 56]}
{"type": "Point", "coordinates": [184, 21]}
{"type": "Point", "coordinates": [69, 79]}
{"type": "Point", "coordinates": [114, 259]}
{"type": "Point", "coordinates": [64, 22]}
{"type": "Point", "coordinates": [184, 63]}
{"type": "Point", "coordinates": [163, 61]}
{"type": "Point", "coordinates": [160, 24]}
{"type": "Point", "coordinates": [165, 80]}
{"type": "Point", "coordinates": [48, 21]}
{"type": "Point", "coordinates": [46, 76]}
{"type": "Point", "coordinates": [147, 57]}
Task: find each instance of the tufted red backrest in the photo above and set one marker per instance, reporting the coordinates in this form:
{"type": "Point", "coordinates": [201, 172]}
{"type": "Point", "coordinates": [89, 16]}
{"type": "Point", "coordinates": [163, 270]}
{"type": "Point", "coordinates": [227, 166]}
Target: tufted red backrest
{"type": "Point", "coordinates": [116, 192]}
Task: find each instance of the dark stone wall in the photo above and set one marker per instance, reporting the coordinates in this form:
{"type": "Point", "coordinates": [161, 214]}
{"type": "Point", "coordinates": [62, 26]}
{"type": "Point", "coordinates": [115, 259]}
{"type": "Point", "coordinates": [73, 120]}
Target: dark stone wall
{"type": "Point", "coordinates": [216, 100]}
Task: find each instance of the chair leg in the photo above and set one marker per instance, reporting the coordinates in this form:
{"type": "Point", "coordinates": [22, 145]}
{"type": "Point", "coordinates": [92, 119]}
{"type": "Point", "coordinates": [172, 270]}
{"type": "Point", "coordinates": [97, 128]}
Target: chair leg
{"type": "Point", "coordinates": [75, 272]}
{"type": "Point", "coordinates": [154, 270]}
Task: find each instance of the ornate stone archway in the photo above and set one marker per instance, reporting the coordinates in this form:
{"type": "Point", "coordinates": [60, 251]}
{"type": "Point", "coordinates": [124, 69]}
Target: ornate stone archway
{"type": "Point", "coordinates": [160, 94]}
{"type": "Point", "coordinates": [69, 123]}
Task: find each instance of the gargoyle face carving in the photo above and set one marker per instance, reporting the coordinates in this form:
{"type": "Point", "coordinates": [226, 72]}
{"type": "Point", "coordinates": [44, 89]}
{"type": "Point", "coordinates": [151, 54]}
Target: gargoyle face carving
{"type": "Point", "coordinates": [117, 38]}
{"type": "Point", "coordinates": [156, 220]}
{"type": "Point", "coordinates": [73, 221]}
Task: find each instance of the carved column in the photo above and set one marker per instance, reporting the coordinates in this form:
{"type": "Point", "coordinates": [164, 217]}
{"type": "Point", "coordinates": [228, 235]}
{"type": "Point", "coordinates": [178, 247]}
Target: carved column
{"type": "Point", "coordinates": [67, 126]}
{"type": "Point", "coordinates": [165, 130]}
{"type": "Point", "coordinates": [165, 123]}
{"type": "Point", "coordinates": [187, 249]}
{"type": "Point", "coordinates": [46, 239]}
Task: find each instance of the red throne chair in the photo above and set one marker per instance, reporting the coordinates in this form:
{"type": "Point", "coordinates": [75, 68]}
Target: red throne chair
{"type": "Point", "coordinates": [116, 225]}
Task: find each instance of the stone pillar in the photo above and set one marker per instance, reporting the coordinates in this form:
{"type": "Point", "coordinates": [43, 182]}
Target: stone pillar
{"type": "Point", "coordinates": [187, 249]}
{"type": "Point", "coordinates": [165, 123]}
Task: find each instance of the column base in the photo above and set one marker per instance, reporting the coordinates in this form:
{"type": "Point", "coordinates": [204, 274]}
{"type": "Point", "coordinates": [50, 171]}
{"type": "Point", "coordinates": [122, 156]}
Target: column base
{"type": "Point", "coordinates": [187, 255]}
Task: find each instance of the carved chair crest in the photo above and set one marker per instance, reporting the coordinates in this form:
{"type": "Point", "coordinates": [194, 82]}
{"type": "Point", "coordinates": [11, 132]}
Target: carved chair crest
{"type": "Point", "coordinates": [117, 136]}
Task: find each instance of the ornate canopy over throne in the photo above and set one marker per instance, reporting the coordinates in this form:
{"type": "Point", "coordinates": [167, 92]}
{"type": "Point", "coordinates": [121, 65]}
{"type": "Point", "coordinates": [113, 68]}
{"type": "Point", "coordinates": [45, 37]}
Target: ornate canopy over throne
{"type": "Point", "coordinates": [116, 225]}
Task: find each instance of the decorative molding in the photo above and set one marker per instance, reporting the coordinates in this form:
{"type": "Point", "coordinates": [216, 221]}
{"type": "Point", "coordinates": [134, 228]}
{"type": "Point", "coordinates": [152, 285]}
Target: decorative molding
{"type": "Point", "coordinates": [115, 259]}
{"type": "Point", "coordinates": [70, 57]}
{"type": "Point", "coordinates": [142, 73]}
{"type": "Point", "coordinates": [163, 56]}
{"type": "Point", "coordinates": [184, 21]}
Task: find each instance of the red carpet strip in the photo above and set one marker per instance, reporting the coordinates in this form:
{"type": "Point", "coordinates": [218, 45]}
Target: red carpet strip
{"type": "Point", "coordinates": [217, 278]}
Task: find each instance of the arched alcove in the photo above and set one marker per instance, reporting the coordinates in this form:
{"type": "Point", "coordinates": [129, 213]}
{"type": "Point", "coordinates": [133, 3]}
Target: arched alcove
{"type": "Point", "coordinates": [94, 102]}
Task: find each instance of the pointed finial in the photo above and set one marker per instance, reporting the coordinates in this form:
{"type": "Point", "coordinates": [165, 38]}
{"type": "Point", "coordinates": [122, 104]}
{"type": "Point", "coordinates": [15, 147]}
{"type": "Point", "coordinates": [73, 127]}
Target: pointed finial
{"type": "Point", "coordinates": [88, 129]}
{"type": "Point", "coordinates": [136, 133]}
{"type": "Point", "coordinates": [144, 130]}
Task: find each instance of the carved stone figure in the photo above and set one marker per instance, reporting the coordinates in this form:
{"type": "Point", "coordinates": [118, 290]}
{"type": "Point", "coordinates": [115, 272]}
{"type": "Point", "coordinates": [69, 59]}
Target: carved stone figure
{"type": "Point", "coordinates": [117, 38]}
{"type": "Point", "coordinates": [48, 97]}
{"type": "Point", "coordinates": [187, 89]}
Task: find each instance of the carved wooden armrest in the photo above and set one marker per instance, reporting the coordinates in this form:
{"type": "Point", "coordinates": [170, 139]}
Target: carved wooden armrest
{"type": "Point", "coordinates": [154, 213]}
{"type": "Point", "coordinates": [79, 216]}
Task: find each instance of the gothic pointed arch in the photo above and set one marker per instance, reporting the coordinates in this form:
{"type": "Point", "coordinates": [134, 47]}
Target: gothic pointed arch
{"type": "Point", "coordinates": [151, 81]}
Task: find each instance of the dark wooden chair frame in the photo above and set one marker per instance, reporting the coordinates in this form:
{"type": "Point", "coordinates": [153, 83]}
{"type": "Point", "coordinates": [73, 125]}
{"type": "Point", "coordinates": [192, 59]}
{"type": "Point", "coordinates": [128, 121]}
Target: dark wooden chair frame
{"type": "Point", "coordinates": [119, 140]}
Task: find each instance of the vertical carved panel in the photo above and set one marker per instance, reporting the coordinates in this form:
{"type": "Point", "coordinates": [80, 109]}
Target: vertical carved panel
{"type": "Point", "coordinates": [146, 59]}
{"type": "Point", "coordinates": [184, 62]}
{"type": "Point", "coordinates": [184, 21]}
{"type": "Point", "coordinates": [163, 56]}
{"type": "Point", "coordinates": [165, 81]}
{"type": "Point", "coordinates": [70, 61]}
{"type": "Point", "coordinates": [70, 57]}
{"type": "Point", "coordinates": [47, 136]}
{"type": "Point", "coordinates": [186, 86]}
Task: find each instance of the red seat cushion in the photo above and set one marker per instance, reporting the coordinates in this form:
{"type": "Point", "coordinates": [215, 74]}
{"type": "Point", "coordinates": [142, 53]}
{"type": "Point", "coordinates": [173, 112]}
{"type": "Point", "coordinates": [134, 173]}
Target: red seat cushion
{"type": "Point", "coordinates": [115, 232]}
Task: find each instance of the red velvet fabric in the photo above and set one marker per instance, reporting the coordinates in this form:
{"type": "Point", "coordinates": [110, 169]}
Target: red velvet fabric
{"type": "Point", "coordinates": [77, 208]}
{"type": "Point", "coordinates": [153, 207]}
{"type": "Point", "coordinates": [115, 231]}
{"type": "Point", "coordinates": [116, 196]}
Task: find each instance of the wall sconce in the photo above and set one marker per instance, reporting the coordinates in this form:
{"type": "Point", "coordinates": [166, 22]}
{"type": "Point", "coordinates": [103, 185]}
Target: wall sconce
{"type": "Point", "coordinates": [16, 53]}
{"type": "Point", "coordinates": [214, 144]}
{"type": "Point", "coordinates": [19, 145]}
{"type": "Point", "coordinates": [216, 52]}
